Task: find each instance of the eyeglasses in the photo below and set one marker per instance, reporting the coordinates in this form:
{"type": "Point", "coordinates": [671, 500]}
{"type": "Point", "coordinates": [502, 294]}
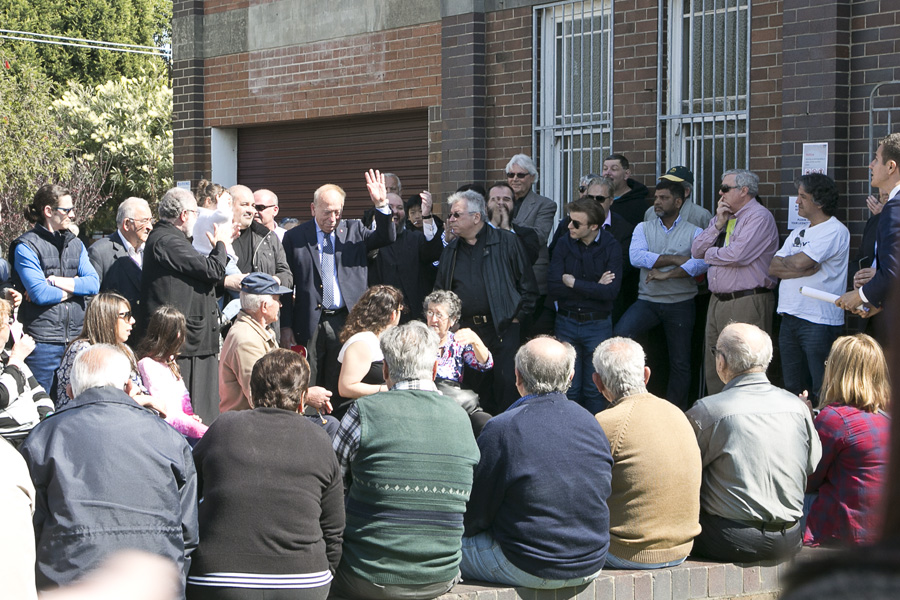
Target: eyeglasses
{"type": "Point", "coordinates": [517, 175]}
{"type": "Point", "coordinates": [142, 222]}
{"type": "Point", "coordinates": [457, 215]}
{"type": "Point", "coordinates": [596, 198]}
{"type": "Point", "coordinates": [727, 188]}
{"type": "Point", "coordinates": [262, 207]}
{"type": "Point", "coordinates": [436, 315]}
{"type": "Point", "coordinates": [68, 211]}
{"type": "Point", "coordinates": [191, 210]}
{"type": "Point", "coordinates": [715, 351]}
{"type": "Point", "coordinates": [578, 224]}
{"type": "Point", "coordinates": [125, 315]}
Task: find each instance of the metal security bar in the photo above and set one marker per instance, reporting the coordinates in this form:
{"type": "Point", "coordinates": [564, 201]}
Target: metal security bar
{"type": "Point", "coordinates": [704, 114]}
{"type": "Point", "coordinates": [883, 114]}
{"type": "Point", "coordinates": [572, 93]}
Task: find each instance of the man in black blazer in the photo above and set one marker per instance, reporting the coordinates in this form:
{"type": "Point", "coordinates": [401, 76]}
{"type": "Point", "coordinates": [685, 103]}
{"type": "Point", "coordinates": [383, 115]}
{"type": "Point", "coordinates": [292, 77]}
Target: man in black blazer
{"type": "Point", "coordinates": [314, 315]}
{"type": "Point", "coordinates": [871, 286]}
{"type": "Point", "coordinates": [118, 257]}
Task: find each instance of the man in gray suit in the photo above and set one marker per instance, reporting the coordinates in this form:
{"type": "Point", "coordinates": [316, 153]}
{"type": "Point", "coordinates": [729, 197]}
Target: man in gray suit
{"type": "Point", "coordinates": [535, 212]}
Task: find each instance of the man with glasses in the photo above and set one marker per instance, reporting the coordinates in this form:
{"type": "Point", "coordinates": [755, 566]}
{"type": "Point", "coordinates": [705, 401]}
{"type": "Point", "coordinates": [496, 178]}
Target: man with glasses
{"type": "Point", "coordinates": [738, 245]}
{"type": "Point", "coordinates": [328, 257]}
{"type": "Point", "coordinates": [538, 213]}
{"type": "Point", "coordinates": [489, 271]}
{"type": "Point", "coordinates": [119, 257]}
{"type": "Point", "coordinates": [584, 280]}
{"type": "Point", "coordinates": [266, 205]}
{"type": "Point", "coordinates": [174, 273]}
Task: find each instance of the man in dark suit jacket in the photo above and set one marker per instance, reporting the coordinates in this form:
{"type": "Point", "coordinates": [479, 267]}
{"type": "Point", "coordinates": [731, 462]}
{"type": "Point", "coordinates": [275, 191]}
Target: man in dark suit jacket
{"type": "Point", "coordinates": [405, 263]}
{"type": "Point", "coordinates": [176, 274]}
{"type": "Point", "coordinates": [315, 314]}
{"type": "Point", "coordinates": [871, 286]}
{"type": "Point", "coordinates": [118, 257]}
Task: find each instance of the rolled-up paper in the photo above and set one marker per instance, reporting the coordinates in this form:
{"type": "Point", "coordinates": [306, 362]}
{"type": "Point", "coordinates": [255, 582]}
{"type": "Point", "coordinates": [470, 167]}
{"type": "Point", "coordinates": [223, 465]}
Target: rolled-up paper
{"type": "Point", "coordinates": [823, 296]}
{"type": "Point", "coordinates": [818, 294]}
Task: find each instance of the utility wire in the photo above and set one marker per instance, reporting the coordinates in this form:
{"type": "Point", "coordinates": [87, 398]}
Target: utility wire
{"type": "Point", "coordinates": [90, 44]}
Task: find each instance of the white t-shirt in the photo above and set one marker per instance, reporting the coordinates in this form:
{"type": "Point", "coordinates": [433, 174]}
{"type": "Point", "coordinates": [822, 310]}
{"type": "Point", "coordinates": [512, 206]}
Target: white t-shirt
{"type": "Point", "coordinates": [828, 244]}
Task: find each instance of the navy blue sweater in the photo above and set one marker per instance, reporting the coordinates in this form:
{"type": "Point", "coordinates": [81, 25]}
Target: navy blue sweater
{"type": "Point", "coordinates": [587, 264]}
{"type": "Point", "coordinates": [541, 487]}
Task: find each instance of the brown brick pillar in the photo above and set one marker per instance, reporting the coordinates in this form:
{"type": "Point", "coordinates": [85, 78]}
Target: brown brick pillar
{"type": "Point", "coordinates": [463, 154]}
{"type": "Point", "coordinates": [191, 138]}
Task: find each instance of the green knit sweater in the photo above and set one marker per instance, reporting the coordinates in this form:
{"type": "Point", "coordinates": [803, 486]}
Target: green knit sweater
{"type": "Point", "coordinates": [412, 477]}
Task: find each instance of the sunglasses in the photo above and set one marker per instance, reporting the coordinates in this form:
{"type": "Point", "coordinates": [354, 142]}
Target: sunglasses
{"type": "Point", "coordinates": [125, 315]}
{"type": "Point", "coordinates": [457, 215]}
{"type": "Point", "coordinates": [597, 198]}
{"type": "Point", "coordinates": [727, 188]}
{"type": "Point", "coordinates": [68, 211]}
{"type": "Point", "coordinates": [579, 224]}
{"type": "Point", "coordinates": [517, 175]}
{"type": "Point", "coordinates": [262, 207]}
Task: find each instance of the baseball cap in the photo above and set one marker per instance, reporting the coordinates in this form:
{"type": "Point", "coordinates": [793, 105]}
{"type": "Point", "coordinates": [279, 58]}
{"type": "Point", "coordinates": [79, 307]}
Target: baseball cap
{"type": "Point", "coordinates": [679, 174]}
{"type": "Point", "coordinates": [262, 284]}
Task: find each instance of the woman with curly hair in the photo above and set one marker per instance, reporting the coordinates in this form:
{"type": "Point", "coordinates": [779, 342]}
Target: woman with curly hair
{"type": "Point", "coordinates": [855, 433]}
{"type": "Point", "coordinates": [166, 333]}
{"type": "Point", "coordinates": [360, 357]}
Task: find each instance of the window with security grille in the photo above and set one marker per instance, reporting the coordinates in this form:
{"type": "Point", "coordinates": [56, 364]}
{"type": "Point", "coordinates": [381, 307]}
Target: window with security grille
{"type": "Point", "coordinates": [704, 90]}
{"type": "Point", "coordinates": [572, 101]}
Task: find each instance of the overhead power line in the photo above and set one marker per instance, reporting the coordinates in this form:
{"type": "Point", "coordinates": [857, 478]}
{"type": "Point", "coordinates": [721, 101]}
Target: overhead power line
{"type": "Point", "coordinates": [58, 40]}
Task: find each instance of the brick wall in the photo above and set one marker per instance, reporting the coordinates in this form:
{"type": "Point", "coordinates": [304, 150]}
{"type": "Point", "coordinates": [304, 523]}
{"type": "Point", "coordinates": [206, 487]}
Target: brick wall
{"type": "Point", "coordinates": [508, 62]}
{"type": "Point", "coordinates": [390, 70]}
{"type": "Point", "coordinates": [191, 136]}
{"type": "Point", "coordinates": [766, 103]}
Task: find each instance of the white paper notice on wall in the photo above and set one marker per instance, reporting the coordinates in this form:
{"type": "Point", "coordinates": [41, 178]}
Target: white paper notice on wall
{"type": "Point", "coordinates": [815, 159]}
{"type": "Point", "coordinates": [795, 221]}
{"type": "Point", "coordinates": [185, 185]}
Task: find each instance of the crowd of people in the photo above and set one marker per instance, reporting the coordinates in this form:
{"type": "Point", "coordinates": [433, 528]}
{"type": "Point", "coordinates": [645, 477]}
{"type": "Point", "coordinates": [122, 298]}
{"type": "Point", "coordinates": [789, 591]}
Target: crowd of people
{"type": "Point", "coordinates": [380, 408]}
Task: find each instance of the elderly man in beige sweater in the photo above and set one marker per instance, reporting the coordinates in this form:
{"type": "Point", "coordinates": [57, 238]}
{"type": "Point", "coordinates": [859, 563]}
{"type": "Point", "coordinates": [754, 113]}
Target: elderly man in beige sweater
{"type": "Point", "coordinates": [654, 507]}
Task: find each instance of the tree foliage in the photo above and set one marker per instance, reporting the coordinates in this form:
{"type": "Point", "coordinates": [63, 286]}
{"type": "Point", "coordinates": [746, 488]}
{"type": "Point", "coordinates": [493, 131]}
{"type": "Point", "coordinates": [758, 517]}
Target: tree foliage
{"type": "Point", "coordinates": [127, 122]}
{"type": "Point", "coordinates": [140, 22]}
{"type": "Point", "coordinates": [35, 150]}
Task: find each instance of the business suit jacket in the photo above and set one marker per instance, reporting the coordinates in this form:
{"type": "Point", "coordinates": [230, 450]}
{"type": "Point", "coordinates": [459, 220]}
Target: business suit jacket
{"type": "Point", "coordinates": [538, 213]}
{"type": "Point", "coordinates": [118, 273]}
{"type": "Point", "coordinates": [353, 241]}
{"type": "Point", "coordinates": [887, 238]}
{"type": "Point", "coordinates": [405, 264]}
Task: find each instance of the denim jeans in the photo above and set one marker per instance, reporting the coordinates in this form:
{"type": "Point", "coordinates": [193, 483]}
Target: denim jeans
{"type": "Point", "coordinates": [677, 319]}
{"type": "Point", "coordinates": [43, 361]}
{"type": "Point", "coordinates": [613, 562]}
{"type": "Point", "coordinates": [804, 347]}
{"type": "Point", "coordinates": [585, 337]}
{"type": "Point", "coordinates": [483, 560]}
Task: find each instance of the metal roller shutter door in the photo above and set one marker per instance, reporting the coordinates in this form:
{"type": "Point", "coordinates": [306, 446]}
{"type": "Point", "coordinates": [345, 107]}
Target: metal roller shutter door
{"type": "Point", "coordinates": [293, 159]}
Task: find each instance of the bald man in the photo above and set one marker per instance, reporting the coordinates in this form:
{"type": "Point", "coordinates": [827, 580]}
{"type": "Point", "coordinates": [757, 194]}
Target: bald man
{"type": "Point", "coordinates": [758, 445]}
{"type": "Point", "coordinates": [538, 505]}
{"type": "Point", "coordinates": [266, 205]}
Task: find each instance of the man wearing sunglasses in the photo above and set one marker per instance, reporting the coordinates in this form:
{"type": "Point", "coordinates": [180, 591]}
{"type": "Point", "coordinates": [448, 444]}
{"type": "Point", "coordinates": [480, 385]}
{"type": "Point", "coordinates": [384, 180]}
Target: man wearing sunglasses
{"type": "Point", "coordinates": [738, 245]}
{"type": "Point", "coordinates": [536, 212]}
{"type": "Point", "coordinates": [266, 204]}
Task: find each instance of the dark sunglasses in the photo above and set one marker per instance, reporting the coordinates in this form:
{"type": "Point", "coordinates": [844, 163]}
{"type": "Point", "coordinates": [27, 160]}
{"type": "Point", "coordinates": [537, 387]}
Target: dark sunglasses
{"type": "Point", "coordinates": [727, 188]}
{"type": "Point", "coordinates": [596, 198]}
{"type": "Point", "coordinates": [517, 175]}
{"type": "Point", "coordinates": [126, 315]}
{"type": "Point", "coordinates": [577, 224]}
{"type": "Point", "coordinates": [262, 207]}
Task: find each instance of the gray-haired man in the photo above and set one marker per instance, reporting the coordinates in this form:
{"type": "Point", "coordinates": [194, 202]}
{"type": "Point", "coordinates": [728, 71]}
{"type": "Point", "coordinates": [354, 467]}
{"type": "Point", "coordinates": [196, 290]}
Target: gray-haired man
{"type": "Point", "coordinates": [758, 445]}
{"type": "Point", "coordinates": [407, 456]}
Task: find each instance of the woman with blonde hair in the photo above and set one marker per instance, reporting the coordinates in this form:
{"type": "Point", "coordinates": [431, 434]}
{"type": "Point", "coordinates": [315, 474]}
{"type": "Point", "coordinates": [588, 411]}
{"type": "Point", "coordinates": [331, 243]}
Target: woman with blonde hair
{"type": "Point", "coordinates": [361, 360]}
{"type": "Point", "coordinates": [855, 433]}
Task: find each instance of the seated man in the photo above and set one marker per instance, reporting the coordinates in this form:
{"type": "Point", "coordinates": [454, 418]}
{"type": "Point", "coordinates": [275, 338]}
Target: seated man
{"type": "Point", "coordinates": [407, 456]}
{"type": "Point", "coordinates": [758, 445]}
{"type": "Point", "coordinates": [109, 475]}
{"type": "Point", "coordinates": [249, 339]}
{"type": "Point", "coordinates": [538, 517]}
{"type": "Point", "coordinates": [652, 519]}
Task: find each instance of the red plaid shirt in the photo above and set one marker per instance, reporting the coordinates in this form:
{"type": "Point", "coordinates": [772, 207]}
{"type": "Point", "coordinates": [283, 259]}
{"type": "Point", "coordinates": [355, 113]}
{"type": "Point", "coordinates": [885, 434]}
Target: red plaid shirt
{"type": "Point", "coordinates": [849, 478]}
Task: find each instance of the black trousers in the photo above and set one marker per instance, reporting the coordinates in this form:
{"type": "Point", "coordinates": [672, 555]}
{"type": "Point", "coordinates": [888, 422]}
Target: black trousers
{"type": "Point", "coordinates": [323, 349]}
{"type": "Point", "coordinates": [496, 388]}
